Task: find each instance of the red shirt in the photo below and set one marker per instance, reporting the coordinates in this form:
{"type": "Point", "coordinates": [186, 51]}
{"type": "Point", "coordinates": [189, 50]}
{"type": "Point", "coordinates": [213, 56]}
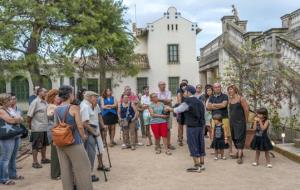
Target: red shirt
{"type": "Point", "coordinates": [132, 98]}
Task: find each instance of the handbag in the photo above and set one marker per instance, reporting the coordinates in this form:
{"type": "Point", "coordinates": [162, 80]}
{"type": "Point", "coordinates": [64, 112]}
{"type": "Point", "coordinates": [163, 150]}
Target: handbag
{"type": "Point", "coordinates": [62, 134]}
{"type": "Point", "coordinates": [125, 122]}
{"type": "Point", "coordinates": [25, 131]}
{"type": "Point", "coordinates": [8, 131]}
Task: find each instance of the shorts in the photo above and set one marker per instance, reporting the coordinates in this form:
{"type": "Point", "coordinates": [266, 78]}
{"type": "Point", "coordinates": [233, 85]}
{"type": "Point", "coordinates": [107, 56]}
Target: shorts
{"type": "Point", "coordinates": [180, 118]}
{"type": "Point", "coordinates": [226, 126]}
{"type": "Point", "coordinates": [146, 119]}
{"type": "Point", "coordinates": [39, 140]}
{"type": "Point", "coordinates": [195, 141]}
{"type": "Point", "coordinates": [160, 130]}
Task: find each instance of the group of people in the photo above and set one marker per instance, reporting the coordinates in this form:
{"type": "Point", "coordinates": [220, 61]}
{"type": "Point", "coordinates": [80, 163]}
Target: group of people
{"type": "Point", "coordinates": [223, 118]}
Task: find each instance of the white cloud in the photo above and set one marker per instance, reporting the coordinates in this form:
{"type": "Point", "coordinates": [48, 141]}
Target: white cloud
{"type": "Point", "coordinates": [211, 27]}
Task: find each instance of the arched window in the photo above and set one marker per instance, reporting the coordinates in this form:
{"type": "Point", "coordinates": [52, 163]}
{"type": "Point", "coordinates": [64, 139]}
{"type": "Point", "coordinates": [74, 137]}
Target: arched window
{"type": "Point", "coordinates": [20, 87]}
{"type": "Point", "coordinates": [2, 86]}
{"type": "Point", "coordinates": [46, 82]}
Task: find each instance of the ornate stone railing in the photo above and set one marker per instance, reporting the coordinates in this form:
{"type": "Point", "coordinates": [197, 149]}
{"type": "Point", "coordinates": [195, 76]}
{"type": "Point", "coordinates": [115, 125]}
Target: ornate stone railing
{"type": "Point", "coordinates": [235, 35]}
{"type": "Point", "coordinates": [290, 53]}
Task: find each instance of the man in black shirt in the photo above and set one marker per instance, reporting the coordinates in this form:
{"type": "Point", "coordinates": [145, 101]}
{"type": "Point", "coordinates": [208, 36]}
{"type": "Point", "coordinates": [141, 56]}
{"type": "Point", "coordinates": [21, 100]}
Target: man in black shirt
{"type": "Point", "coordinates": [218, 104]}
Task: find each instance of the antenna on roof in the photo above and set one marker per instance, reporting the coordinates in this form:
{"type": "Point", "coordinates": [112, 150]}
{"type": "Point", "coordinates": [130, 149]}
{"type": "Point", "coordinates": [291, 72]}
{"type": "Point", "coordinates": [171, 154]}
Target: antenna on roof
{"type": "Point", "coordinates": [135, 13]}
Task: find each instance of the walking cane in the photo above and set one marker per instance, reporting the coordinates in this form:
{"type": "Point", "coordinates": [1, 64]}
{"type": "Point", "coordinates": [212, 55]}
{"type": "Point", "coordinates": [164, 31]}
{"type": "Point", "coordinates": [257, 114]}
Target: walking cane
{"type": "Point", "coordinates": [104, 172]}
{"type": "Point", "coordinates": [108, 156]}
{"type": "Point", "coordinates": [104, 141]}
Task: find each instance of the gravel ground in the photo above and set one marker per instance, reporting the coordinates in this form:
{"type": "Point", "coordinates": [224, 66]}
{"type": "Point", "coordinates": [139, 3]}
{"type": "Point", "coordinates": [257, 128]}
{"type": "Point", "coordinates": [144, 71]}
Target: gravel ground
{"type": "Point", "coordinates": [142, 169]}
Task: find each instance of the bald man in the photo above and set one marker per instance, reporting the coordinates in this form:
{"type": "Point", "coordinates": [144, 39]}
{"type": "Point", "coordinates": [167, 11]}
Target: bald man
{"type": "Point", "coordinates": [218, 104]}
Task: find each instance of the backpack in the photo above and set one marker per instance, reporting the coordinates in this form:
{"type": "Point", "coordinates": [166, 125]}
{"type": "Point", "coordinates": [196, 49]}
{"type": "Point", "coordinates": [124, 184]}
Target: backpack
{"type": "Point", "coordinates": [62, 134]}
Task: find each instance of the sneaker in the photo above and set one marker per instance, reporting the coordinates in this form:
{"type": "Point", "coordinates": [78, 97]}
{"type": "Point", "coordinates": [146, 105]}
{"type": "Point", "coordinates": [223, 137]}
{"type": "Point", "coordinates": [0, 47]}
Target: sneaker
{"type": "Point", "coordinates": [216, 158]}
{"type": "Point", "coordinates": [171, 147]}
{"type": "Point", "coordinates": [194, 169]}
{"type": "Point", "coordinates": [269, 166]}
{"type": "Point", "coordinates": [45, 161]}
{"type": "Point", "coordinates": [224, 158]}
{"type": "Point", "coordinates": [180, 143]}
{"type": "Point", "coordinates": [94, 178]}
{"type": "Point", "coordinates": [202, 167]}
{"type": "Point", "coordinates": [124, 146]}
{"type": "Point", "coordinates": [239, 161]}
{"type": "Point", "coordinates": [254, 164]}
{"type": "Point", "coordinates": [132, 147]}
{"type": "Point", "coordinates": [103, 168]}
{"type": "Point", "coordinates": [140, 144]}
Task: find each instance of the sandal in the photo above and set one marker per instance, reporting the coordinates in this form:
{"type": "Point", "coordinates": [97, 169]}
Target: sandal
{"type": "Point", "coordinates": [158, 151]}
{"type": "Point", "coordinates": [234, 156]}
{"type": "Point", "coordinates": [18, 177]}
{"type": "Point", "coordinates": [239, 160]}
{"type": "Point", "coordinates": [103, 168]}
{"type": "Point", "coordinates": [36, 165]}
{"type": "Point", "coordinates": [9, 182]}
{"type": "Point", "coordinates": [45, 161]}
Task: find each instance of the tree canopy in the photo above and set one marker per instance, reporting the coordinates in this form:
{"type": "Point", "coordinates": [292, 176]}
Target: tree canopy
{"type": "Point", "coordinates": [38, 36]}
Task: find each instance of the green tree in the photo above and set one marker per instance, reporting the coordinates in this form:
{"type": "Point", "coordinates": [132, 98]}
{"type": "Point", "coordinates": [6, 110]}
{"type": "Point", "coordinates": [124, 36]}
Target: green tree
{"type": "Point", "coordinates": [32, 35]}
{"type": "Point", "coordinates": [102, 39]}
{"type": "Point", "coordinates": [258, 75]}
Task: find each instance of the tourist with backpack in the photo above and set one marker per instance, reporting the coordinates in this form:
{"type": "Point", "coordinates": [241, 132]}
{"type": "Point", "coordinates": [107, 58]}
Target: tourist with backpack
{"type": "Point", "coordinates": [74, 162]}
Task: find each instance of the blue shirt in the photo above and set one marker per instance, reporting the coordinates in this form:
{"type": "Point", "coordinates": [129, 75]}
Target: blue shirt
{"type": "Point", "coordinates": [109, 101]}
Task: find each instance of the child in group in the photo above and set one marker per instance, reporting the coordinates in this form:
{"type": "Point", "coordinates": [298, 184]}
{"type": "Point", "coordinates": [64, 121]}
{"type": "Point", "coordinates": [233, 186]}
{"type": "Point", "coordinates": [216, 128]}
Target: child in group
{"type": "Point", "coordinates": [261, 141]}
{"type": "Point", "coordinates": [219, 137]}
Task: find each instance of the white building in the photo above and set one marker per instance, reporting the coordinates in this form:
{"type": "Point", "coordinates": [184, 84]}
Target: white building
{"type": "Point", "coordinates": [167, 50]}
{"type": "Point", "coordinates": [168, 47]}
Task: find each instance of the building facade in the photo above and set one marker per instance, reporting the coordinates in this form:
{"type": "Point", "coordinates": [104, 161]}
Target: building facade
{"type": "Point", "coordinates": [166, 50]}
{"type": "Point", "coordinates": [283, 42]}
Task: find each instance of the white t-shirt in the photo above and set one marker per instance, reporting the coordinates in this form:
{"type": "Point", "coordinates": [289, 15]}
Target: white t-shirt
{"type": "Point", "coordinates": [89, 114]}
{"type": "Point", "coordinates": [146, 100]}
{"type": "Point", "coordinates": [165, 95]}
{"type": "Point", "coordinates": [92, 115]}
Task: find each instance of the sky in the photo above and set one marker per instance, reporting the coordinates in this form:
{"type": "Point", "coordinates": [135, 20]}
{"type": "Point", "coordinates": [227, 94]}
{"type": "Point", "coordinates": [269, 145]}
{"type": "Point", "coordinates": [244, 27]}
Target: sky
{"type": "Point", "coordinates": [261, 14]}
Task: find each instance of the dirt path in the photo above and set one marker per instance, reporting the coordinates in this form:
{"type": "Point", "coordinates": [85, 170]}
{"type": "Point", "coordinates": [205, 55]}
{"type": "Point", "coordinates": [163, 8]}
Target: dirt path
{"type": "Point", "coordinates": [143, 169]}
